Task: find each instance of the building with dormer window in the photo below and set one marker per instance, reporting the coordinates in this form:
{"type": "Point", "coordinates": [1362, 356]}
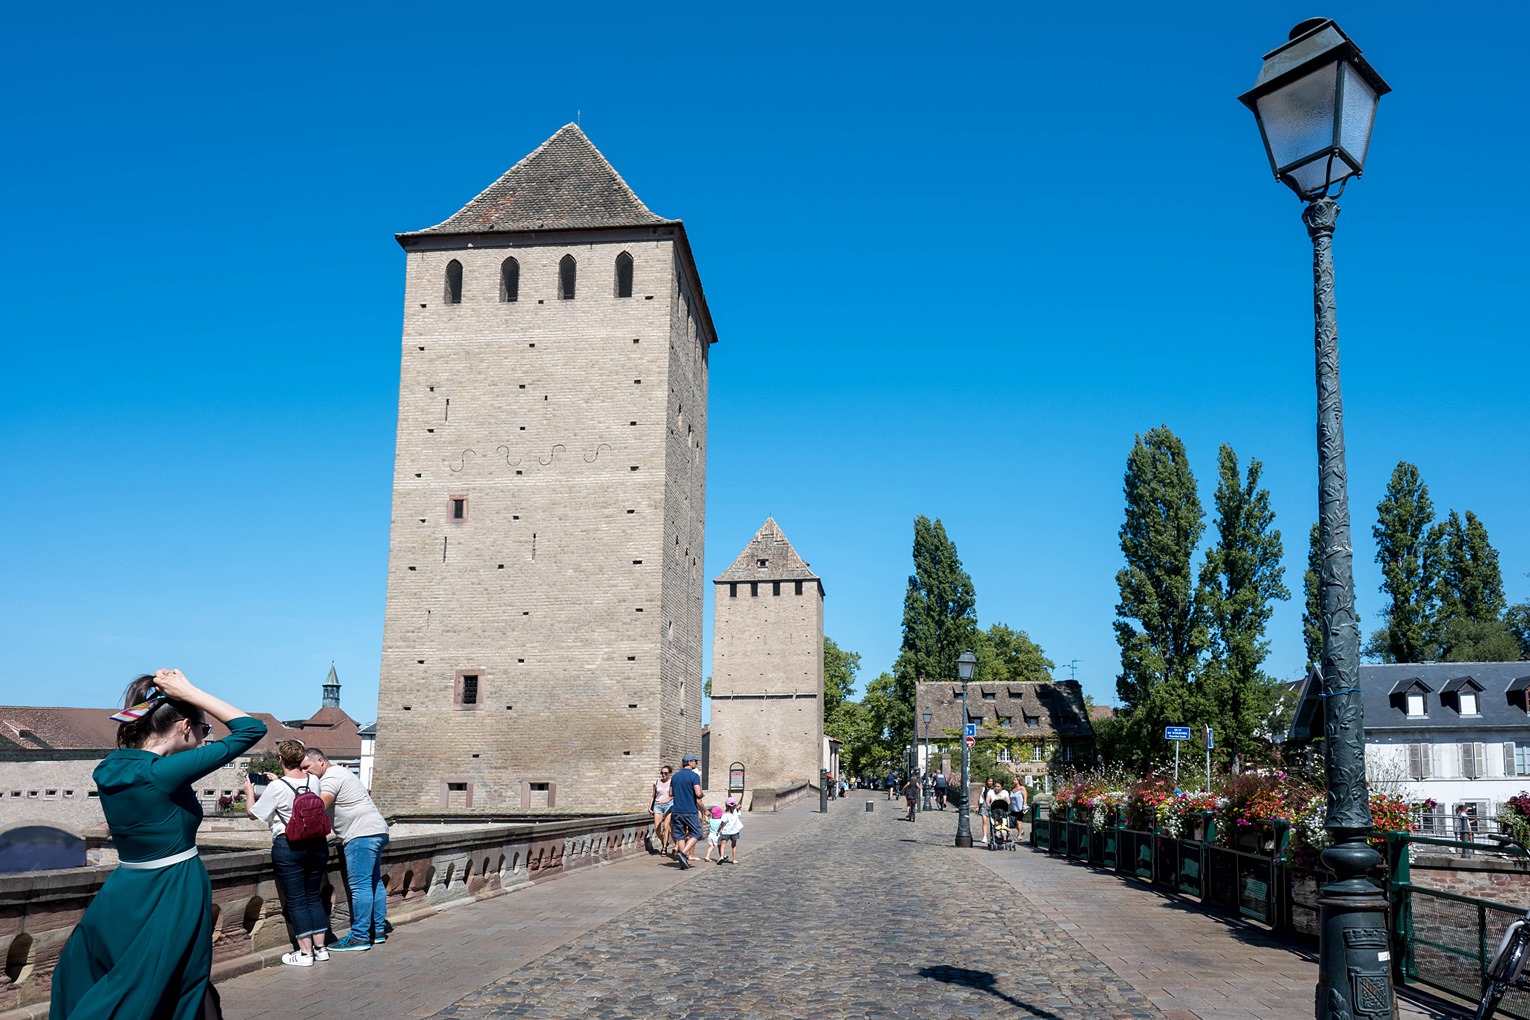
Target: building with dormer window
{"type": "Point", "coordinates": [1455, 732]}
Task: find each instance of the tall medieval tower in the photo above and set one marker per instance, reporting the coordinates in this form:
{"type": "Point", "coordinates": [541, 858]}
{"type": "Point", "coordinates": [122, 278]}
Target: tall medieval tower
{"type": "Point", "coordinates": [767, 664]}
{"type": "Point", "coordinates": [542, 643]}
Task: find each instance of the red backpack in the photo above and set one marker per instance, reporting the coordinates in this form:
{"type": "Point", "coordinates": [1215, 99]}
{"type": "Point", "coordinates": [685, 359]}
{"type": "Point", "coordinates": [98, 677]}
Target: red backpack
{"type": "Point", "coordinates": [309, 819]}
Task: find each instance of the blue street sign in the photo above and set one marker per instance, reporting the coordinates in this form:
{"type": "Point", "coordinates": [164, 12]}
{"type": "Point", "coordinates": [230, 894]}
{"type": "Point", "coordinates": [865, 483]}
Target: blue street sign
{"type": "Point", "coordinates": [971, 730]}
{"type": "Point", "coordinates": [1176, 733]}
{"type": "Point", "coordinates": [1211, 740]}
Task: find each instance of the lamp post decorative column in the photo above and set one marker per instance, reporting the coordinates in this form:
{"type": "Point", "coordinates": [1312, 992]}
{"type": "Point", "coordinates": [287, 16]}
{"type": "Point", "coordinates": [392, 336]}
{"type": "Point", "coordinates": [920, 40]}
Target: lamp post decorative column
{"type": "Point", "coordinates": [927, 715]}
{"type": "Point", "coordinates": [1315, 102]}
{"type": "Point", "coordinates": [964, 667]}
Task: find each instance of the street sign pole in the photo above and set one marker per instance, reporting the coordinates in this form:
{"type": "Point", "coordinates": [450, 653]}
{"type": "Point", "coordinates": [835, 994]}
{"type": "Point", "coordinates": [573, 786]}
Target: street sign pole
{"type": "Point", "coordinates": [1178, 735]}
{"type": "Point", "coordinates": [1176, 764]}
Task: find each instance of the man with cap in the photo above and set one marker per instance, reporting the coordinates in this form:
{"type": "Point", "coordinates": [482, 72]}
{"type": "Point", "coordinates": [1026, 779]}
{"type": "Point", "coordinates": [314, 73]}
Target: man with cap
{"type": "Point", "coordinates": [685, 815]}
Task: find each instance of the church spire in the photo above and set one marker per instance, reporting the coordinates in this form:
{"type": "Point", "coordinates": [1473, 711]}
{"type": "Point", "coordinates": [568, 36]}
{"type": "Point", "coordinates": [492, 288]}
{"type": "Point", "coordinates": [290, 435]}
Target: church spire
{"type": "Point", "coordinates": [332, 689]}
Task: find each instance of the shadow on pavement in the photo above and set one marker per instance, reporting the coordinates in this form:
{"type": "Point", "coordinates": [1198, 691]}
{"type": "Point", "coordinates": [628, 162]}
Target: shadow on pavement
{"type": "Point", "coordinates": [983, 981]}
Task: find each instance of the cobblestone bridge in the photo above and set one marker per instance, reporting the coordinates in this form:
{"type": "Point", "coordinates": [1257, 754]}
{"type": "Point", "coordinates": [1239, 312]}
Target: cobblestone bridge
{"type": "Point", "coordinates": [848, 914]}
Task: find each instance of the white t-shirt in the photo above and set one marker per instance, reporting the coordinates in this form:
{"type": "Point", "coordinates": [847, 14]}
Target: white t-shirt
{"type": "Point", "coordinates": [274, 806]}
{"type": "Point", "coordinates": [354, 813]}
{"type": "Point", "coordinates": [732, 824]}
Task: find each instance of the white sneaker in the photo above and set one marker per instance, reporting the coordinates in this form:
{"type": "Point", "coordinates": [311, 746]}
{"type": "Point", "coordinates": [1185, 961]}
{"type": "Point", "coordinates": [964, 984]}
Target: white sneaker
{"type": "Point", "coordinates": [297, 959]}
{"type": "Point", "coordinates": [321, 955]}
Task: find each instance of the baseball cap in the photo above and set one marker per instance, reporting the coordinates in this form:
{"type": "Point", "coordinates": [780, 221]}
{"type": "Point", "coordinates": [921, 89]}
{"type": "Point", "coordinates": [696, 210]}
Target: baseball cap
{"type": "Point", "coordinates": [688, 759]}
{"type": "Point", "coordinates": [732, 802]}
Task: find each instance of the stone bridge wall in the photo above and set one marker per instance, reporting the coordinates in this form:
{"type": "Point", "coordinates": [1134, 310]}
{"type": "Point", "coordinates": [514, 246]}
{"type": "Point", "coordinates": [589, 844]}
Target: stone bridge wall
{"type": "Point", "coordinates": [424, 872]}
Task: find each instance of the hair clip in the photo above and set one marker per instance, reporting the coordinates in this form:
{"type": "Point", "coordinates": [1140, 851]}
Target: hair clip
{"type": "Point", "coordinates": [138, 711]}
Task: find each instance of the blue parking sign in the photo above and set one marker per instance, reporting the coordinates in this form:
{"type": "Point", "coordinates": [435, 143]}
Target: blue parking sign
{"type": "Point", "coordinates": [971, 730]}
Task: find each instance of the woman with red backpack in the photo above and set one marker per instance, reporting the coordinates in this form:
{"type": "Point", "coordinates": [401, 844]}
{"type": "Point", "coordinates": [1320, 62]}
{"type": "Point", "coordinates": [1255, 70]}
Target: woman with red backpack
{"type": "Point", "coordinates": [292, 808]}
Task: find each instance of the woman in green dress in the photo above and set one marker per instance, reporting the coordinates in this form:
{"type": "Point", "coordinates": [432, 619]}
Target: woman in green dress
{"type": "Point", "coordinates": [143, 950]}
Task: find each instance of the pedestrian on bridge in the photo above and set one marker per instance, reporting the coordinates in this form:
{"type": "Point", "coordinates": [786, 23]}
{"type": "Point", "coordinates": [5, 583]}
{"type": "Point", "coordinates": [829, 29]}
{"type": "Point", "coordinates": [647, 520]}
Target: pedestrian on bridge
{"type": "Point", "coordinates": [685, 816]}
{"type": "Point", "coordinates": [941, 785]}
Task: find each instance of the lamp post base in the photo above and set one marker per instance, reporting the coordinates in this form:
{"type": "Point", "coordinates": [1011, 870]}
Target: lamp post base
{"type": "Point", "coordinates": [964, 841]}
{"type": "Point", "coordinates": [1355, 969]}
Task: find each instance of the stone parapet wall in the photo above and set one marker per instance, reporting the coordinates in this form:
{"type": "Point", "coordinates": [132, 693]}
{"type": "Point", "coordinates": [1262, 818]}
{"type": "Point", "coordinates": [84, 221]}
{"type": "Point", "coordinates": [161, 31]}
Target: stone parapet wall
{"type": "Point", "coordinates": [424, 872]}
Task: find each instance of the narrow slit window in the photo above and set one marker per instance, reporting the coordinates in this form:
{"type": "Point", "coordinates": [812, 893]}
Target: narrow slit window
{"type": "Point", "coordinates": [457, 508]}
{"type": "Point", "coordinates": [454, 282]}
{"type": "Point", "coordinates": [566, 278]}
{"type": "Point", "coordinates": [510, 280]}
{"type": "Point", "coordinates": [623, 275]}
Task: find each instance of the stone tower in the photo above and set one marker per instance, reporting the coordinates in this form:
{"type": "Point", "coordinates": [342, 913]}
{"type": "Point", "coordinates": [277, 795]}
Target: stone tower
{"type": "Point", "coordinates": [542, 642]}
{"type": "Point", "coordinates": [767, 665]}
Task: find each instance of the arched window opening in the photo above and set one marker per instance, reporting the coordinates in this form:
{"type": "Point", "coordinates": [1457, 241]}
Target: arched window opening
{"type": "Point", "coordinates": [624, 275]}
{"type": "Point", "coordinates": [510, 280]}
{"type": "Point", "coordinates": [454, 282]}
{"type": "Point", "coordinates": [566, 278]}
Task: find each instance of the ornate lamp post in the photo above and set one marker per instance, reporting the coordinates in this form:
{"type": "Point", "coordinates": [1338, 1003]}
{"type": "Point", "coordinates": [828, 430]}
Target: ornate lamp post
{"type": "Point", "coordinates": [927, 715]}
{"type": "Point", "coordinates": [1315, 102]}
{"type": "Point", "coordinates": [964, 667]}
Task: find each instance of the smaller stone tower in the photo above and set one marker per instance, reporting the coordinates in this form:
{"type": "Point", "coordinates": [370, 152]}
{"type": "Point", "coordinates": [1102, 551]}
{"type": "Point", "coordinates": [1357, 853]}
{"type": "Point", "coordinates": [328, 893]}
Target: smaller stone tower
{"type": "Point", "coordinates": [767, 665]}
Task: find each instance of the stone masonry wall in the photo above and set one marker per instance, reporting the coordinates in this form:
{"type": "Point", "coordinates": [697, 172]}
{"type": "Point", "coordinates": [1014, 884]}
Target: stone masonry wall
{"type": "Point", "coordinates": [767, 681]}
{"type": "Point", "coordinates": [562, 587]}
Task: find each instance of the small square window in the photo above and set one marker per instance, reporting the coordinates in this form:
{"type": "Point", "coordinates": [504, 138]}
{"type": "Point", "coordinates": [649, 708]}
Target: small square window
{"type": "Point", "coordinates": [456, 787]}
{"type": "Point", "coordinates": [465, 689]}
{"type": "Point", "coordinates": [457, 509]}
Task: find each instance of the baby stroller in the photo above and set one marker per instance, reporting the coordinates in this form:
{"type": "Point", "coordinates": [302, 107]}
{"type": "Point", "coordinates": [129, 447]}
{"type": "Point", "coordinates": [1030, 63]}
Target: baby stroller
{"type": "Point", "coordinates": [1000, 835]}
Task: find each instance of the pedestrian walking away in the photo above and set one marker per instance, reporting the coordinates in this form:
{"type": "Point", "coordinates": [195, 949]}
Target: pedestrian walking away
{"type": "Point", "coordinates": [143, 948]}
{"type": "Point", "coordinates": [298, 863]}
{"type": "Point", "coordinates": [663, 799]}
{"type": "Point", "coordinates": [941, 784]}
{"type": "Point", "coordinates": [685, 815]}
{"type": "Point", "coordinates": [911, 795]}
{"type": "Point", "coordinates": [714, 826]}
{"type": "Point", "coordinates": [363, 833]}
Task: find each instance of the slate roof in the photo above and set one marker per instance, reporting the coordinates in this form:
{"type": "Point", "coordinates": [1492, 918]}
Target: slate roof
{"type": "Point", "coordinates": [1501, 705]}
{"type": "Point", "coordinates": [1034, 709]}
{"type": "Point", "coordinates": [769, 557]}
{"type": "Point", "coordinates": [565, 184]}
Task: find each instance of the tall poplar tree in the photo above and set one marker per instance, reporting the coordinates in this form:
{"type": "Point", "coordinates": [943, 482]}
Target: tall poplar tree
{"type": "Point", "coordinates": [939, 621]}
{"type": "Point", "coordinates": [1472, 621]}
{"type": "Point", "coordinates": [1407, 549]}
{"type": "Point", "coordinates": [1312, 615]}
{"type": "Point", "coordinates": [1240, 581]}
{"type": "Point", "coordinates": [1159, 621]}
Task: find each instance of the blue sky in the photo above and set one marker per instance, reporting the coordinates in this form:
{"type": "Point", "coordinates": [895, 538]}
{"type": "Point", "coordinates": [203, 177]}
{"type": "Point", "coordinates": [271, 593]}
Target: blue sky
{"type": "Point", "coordinates": [957, 259]}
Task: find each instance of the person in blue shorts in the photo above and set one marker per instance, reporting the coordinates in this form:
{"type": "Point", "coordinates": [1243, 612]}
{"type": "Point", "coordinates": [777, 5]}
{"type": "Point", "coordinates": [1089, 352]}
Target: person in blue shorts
{"type": "Point", "coordinates": [685, 815]}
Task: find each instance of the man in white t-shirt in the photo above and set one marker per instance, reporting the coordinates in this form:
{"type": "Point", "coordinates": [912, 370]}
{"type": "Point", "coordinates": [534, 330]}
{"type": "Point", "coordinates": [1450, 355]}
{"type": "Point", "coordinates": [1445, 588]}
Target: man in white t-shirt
{"type": "Point", "coordinates": [363, 833]}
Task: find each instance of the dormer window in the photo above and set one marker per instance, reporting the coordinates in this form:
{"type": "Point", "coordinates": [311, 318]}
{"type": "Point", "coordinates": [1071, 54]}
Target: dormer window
{"type": "Point", "coordinates": [1464, 692]}
{"type": "Point", "coordinates": [1415, 706]}
{"type": "Point", "coordinates": [1408, 696]}
{"type": "Point", "coordinates": [1469, 703]}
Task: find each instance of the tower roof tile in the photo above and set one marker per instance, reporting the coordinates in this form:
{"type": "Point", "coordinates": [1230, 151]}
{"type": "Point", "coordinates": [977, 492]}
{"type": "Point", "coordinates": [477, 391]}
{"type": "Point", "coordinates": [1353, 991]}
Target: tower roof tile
{"type": "Point", "coordinates": [768, 557]}
{"type": "Point", "coordinates": [564, 184]}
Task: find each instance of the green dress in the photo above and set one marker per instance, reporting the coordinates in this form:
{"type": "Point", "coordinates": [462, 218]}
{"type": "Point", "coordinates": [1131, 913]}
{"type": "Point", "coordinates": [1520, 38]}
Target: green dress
{"type": "Point", "coordinates": [143, 950]}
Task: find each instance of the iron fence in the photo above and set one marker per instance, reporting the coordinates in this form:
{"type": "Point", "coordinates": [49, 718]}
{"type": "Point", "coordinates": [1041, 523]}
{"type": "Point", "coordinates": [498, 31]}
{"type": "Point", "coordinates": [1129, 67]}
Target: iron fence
{"type": "Point", "coordinates": [1440, 939]}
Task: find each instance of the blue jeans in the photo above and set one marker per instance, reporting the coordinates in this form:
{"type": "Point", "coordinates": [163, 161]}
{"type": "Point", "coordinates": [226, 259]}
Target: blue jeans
{"type": "Point", "coordinates": [299, 874]}
{"type": "Point", "coordinates": [363, 877]}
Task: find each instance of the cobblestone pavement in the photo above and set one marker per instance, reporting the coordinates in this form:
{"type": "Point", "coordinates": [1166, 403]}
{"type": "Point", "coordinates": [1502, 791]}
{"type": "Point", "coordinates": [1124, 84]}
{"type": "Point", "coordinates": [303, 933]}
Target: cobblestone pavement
{"type": "Point", "coordinates": [855, 914]}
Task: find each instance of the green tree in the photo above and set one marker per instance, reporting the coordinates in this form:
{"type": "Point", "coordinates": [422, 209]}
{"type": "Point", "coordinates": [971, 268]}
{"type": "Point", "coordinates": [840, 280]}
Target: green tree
{"type": "Point", "coordinates": [939, 622]}
{"type": "Point", "coordinates": [1241, 580]}
{"type": "Point", "coordinates": [1469, 583]}
{"type": "Point", "coordinates": [839, 670]}
{"type": "Point", "coordinates": [1312, 614]}
{"type": "Point", "coordinates": [1005, 655]}
{"type": "Point", "coordinates": [1407, 550]}
{"type": "Point", "coordinates": [1159, 620]}
{"type": "Point", "coordinates": [869, 741]}
{"type": "Point", "coordinates": [264, 761]}
{"type": "Point", "coordinates": [1518, 619]}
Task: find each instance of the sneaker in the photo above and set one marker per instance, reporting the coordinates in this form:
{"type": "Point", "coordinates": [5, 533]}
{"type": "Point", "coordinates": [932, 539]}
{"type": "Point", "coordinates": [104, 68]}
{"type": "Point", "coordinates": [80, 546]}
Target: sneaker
{"type": "Point", "coordinates": [349, 945]}
{"type": "Point", "coordinates": [321, 955]}
{"type": "Point", "coordinates": [297, 960]}
{"type": "Point", "coordinates": [378, 940]}
{"type": "Point", "coordinates": [684, 859]}
{"type": "Point", "coordinates": [387, 927]}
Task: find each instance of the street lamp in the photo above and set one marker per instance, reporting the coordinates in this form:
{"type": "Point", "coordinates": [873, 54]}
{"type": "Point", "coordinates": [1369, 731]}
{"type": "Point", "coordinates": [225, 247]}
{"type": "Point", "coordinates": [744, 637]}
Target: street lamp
{"type": "Point", "coordinates": [927, 715]}
{"type": "Point", "coordinates": [964, 666]}
{"type": "Point", "coordinates": [1315, 102]}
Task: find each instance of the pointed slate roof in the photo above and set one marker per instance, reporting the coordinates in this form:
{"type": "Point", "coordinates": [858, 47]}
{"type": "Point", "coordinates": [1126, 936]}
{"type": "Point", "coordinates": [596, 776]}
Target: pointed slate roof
{"type": "Point", "coordinates": [768, 557]}
{"type": "Point", "coordinates": [565, 184]}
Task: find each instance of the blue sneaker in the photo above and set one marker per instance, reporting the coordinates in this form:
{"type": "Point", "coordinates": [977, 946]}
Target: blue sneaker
{"type": "Point", "coordinates": [349, 945]}
{"type": "Point", "coordinates": [378, 940]}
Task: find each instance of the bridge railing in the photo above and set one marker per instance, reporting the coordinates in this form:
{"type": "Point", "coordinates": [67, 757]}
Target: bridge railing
{"type": "Point", "coordinates": [1441, 938]}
